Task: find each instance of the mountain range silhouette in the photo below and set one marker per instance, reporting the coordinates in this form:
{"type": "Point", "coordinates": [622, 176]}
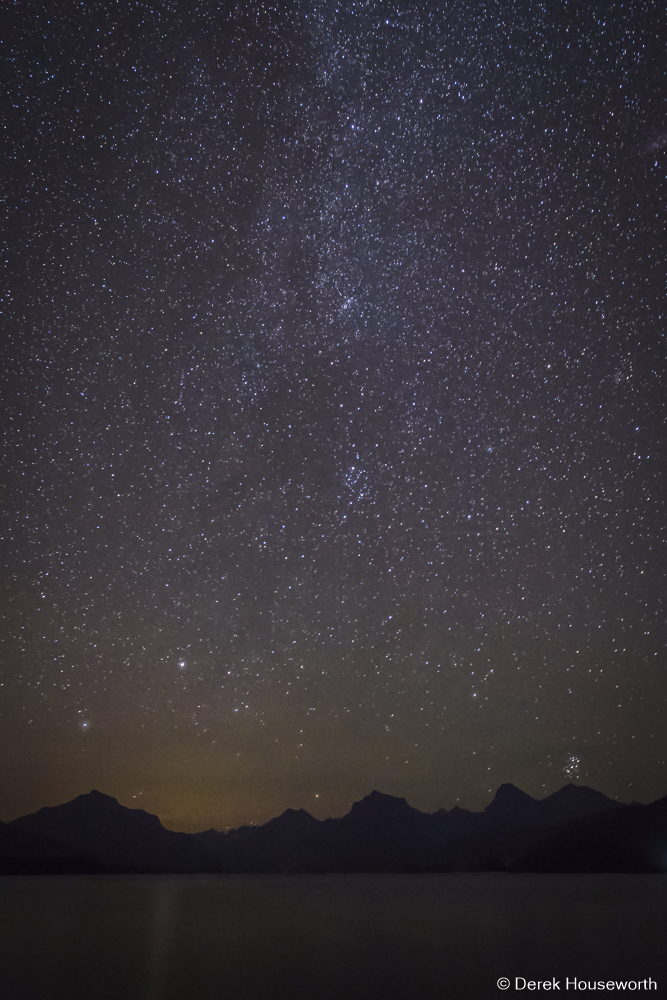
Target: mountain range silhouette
{"type": "Point", "coordinates": [576, 829]}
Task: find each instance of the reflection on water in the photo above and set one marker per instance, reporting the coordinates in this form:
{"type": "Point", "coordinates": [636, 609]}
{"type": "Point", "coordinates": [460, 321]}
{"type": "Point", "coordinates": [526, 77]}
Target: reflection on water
{"type": "Point", "coordinates": [322, 937]}
{"type": "Point", "coordinates": [163, 901]}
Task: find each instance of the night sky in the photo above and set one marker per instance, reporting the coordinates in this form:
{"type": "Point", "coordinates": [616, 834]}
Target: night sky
{"type": "Point", "coordinates": [333, 404]}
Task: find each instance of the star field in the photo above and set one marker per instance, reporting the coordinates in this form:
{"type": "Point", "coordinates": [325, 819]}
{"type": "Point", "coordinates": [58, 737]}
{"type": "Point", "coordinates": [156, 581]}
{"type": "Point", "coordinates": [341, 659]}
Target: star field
{"type": "Point", "coordinates": [333, 404]}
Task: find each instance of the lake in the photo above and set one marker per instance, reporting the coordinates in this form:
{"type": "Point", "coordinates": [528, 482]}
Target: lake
{"type": "Point", "coordinates": [376, 937]}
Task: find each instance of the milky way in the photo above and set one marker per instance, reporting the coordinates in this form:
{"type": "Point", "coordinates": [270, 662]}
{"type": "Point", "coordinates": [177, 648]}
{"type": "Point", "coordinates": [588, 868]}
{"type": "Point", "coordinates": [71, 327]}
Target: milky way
{"type": "Point", "coordinates": [333, 404]}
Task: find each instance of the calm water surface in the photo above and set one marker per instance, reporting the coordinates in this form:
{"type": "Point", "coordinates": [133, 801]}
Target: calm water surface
{"type": "Point", "coordinates": [325, 937]}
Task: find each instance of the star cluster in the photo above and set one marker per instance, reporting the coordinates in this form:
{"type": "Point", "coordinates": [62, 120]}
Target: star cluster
{"type": "Point", "coordinates": [333, 403]}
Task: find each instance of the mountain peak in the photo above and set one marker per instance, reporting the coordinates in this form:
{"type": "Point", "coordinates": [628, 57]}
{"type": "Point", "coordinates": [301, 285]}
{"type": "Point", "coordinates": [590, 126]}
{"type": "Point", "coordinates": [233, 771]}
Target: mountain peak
{"type": "Point", "coordinates": [381, 797]}
{"type": "Point", "coordinates": [98, 798]}
{"type": "Point", "coordinates": [510, 798]}
{"type": "Point", "coordinates": [292, 817]}
{"type": "Point", "coordinates": [95, 802]}
{"type": "Point", "coordinates": [378, 803]}
{"type": "Point", "coordinates": [572, 791]}
{"type": "Point", "coordinates": [572, 801]}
